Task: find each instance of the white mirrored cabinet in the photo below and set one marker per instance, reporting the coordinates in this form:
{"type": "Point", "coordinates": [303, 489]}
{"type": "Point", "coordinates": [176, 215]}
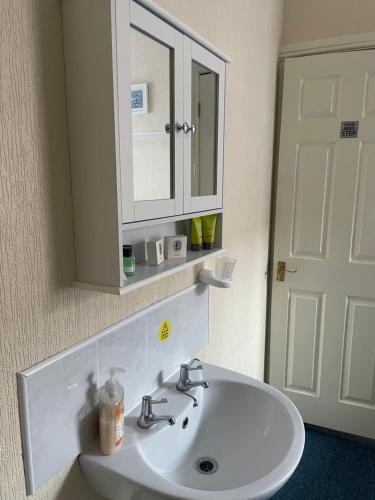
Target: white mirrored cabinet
{"type": "Point", "coordinates": [146, 100]}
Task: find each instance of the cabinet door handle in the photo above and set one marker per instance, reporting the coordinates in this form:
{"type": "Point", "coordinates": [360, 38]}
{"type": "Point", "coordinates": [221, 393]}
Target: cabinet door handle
{"type": "Point", "coordinates": [185, 127]}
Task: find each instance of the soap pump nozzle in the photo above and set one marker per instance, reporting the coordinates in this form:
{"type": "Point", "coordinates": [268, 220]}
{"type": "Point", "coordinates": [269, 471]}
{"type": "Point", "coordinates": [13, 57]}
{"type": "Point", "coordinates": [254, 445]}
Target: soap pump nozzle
{"type": "Point", "coordinates": [112, 386]}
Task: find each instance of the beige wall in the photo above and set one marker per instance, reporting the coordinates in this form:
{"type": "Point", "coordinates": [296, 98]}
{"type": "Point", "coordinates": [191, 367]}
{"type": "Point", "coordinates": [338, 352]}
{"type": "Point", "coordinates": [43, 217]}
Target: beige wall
{"type": "Point", "coordinates": [248, 32]}
{"type": "Point", "coordinates": [39, 313]}
{"type": "Point", "coordinates": [314, 19]}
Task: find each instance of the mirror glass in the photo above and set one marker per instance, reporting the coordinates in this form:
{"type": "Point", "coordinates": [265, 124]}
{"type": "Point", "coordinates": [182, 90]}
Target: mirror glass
{"type": "Point", "coordinates": [204, 139]}
{"type": "Point", "coordinates": [151, 97]}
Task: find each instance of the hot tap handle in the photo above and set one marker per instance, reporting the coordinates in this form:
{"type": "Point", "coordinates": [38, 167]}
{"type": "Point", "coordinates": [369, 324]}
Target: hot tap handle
{"type": "Point", "coordinates": [159, 401]}
{"type": "Point", "coordinates": [198, 367]}
{"type": "Point", "coordinates": [147, 403]}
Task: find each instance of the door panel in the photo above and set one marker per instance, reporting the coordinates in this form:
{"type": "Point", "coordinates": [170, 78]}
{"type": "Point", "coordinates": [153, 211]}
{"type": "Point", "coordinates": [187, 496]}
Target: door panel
{"type": "Point", "coordinates": [363, 245]}
{"type": "Point", "coordinates": [312, 197]}
{"type": "Point", "coordinates": [319, 97]}
{"type": "Point", "coordinates": [322, 349]}
{"type": "Point", "coordinates": [305, 323]}
{"type": "Point", "coordinates": [369, 95]}
{"type": "Point", "coordinates": [358, 367]}
{"type": "Point", "coordinates": [155, 189]}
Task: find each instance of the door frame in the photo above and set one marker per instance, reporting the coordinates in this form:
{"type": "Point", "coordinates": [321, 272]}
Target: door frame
{"type": "Point", "coordinates": [346, 43]}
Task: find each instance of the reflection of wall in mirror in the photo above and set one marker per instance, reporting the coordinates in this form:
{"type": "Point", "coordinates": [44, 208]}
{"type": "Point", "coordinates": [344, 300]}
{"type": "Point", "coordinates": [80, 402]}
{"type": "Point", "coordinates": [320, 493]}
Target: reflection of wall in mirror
{"type": "Point", "coordinates": [151, 144]}
{"type": "Point", "coordinates": [203, 141]}
{"type": "Point", "coordinates": [151, 166]}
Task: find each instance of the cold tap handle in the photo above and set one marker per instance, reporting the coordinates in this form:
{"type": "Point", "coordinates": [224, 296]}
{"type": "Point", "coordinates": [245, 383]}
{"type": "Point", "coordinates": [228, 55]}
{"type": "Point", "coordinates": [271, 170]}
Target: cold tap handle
{"type": "Point", "coordinates": [159, 401]}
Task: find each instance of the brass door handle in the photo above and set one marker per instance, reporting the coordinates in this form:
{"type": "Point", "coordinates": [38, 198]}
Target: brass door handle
{"type": "Point", "coordinates": [281, 270]}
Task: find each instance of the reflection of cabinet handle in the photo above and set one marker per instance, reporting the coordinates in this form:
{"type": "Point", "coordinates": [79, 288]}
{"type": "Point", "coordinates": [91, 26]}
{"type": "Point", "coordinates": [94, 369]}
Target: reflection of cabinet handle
{"type": "Point", "coordinates": [185, 127]}
{"type": "Point", "coordinates": [168, 128]}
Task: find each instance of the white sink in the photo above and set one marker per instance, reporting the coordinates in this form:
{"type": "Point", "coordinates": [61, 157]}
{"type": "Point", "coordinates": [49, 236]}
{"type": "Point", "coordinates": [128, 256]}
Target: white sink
{"type": "Point", "coordinates": [253, 432]}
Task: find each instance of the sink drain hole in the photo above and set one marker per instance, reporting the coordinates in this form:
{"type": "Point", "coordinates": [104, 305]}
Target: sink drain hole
{"type": "Point", "coordinates": [207, 466]}
{"type": "Point", "coordinates": [185, 422]}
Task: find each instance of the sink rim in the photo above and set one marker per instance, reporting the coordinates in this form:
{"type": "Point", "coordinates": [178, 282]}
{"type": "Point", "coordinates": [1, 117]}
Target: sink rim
{"type": "Point", "coordinates": [137, 470]}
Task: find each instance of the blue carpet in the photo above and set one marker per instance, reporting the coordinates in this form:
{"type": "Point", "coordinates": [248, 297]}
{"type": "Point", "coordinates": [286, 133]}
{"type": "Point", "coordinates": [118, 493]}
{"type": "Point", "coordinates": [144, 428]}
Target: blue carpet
{"type": "Point", "coordinates": [332, 468]}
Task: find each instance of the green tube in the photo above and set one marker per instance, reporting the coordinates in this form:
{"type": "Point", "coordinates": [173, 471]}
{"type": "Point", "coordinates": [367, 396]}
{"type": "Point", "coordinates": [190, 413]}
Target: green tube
{"type": "Point", "coordinates": [209, 228]}
{"type": "Point", "coordinates": [196, 233]}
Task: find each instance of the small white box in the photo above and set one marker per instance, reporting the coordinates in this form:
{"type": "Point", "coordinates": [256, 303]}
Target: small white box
{"type": "Point", "coordinates": [175, 246]}
{"type": "Point", "coordinates": [155, 252]}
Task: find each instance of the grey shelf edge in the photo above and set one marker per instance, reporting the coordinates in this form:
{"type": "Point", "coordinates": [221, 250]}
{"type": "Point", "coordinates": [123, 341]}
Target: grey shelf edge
{"type": "Point", "coordinates": [146, 274]}
{"type": "Point", "coordinates": [129, 226]}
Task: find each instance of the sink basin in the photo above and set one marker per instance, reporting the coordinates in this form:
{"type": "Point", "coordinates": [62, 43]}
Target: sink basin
{"type": "Point", "coordinates": [242, 442]}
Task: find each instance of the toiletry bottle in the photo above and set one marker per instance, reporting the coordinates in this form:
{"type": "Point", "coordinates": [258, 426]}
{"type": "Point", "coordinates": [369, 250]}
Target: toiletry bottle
{"type": "Point", "coordinates": [209, 228]}
{"type": "Point", "coordinates": [196, 234]}
{"type": "Point", "coordinates": [128, 260]}
{"type": "Point", "coordinates": [111, 415]}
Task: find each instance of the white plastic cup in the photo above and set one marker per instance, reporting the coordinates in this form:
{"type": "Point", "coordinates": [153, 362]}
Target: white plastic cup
{"type": "Point", "coordinates": [224, 267]}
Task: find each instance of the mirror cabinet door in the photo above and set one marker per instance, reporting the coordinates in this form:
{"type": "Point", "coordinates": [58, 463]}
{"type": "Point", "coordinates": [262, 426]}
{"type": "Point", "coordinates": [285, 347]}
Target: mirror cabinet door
{"type": "Point", "coordinates": [156, 88]}
{"type": "Point", "coordinates": [204, 115]}
{"type": "Point", "coordinates": [204, 95]}
{"type": "Point", "coordinates": [151, 103]}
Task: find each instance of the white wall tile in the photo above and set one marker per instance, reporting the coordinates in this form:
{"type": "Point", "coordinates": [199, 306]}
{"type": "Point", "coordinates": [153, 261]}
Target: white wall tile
{"type": "Point", "coordinates": [126, 348]}
{"type": "Point", "coordinates": [164, 357]}
{"type": "Point", "coordinates": [58, 396]}
{"type": "Point", "coordinates": [195, 321]}
{"type": "Point", "coordinates": [58, 410]}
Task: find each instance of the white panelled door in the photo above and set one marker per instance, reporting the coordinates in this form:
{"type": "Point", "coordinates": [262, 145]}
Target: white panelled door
{"type": "Point", "coordinates": [322, 353]}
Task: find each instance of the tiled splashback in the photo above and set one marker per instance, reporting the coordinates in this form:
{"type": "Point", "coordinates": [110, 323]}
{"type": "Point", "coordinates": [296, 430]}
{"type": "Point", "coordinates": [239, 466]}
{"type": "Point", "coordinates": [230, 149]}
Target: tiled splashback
{"type": "Point", "coordinates": [57, 398]}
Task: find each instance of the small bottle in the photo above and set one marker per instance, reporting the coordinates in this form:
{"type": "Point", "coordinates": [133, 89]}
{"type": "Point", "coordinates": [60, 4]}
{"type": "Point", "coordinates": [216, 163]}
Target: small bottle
{"type": "Point", "coordinates": [128, 260]}
{"type": "Point", "coordinates": [111, 416]}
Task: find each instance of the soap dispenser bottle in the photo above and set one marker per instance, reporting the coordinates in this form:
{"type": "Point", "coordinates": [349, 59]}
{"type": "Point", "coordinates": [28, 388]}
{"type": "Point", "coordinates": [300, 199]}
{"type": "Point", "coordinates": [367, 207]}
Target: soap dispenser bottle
{"type": "Point", "coordinates": [111, 417]}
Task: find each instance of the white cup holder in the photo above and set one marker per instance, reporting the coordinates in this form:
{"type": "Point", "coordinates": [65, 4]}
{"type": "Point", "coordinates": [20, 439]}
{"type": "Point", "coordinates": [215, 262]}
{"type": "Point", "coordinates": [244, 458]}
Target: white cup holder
{"type": "Point", "coordinates": [221, 277]}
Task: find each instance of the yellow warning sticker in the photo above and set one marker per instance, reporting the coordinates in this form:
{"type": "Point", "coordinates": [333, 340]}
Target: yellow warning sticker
{"type": "Point", "coordinates": [165, 331]}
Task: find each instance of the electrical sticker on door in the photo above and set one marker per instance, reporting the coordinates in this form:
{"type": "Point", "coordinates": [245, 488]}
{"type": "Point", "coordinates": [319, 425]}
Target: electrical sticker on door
{"type": "Point", "coordinates": [165, 330]}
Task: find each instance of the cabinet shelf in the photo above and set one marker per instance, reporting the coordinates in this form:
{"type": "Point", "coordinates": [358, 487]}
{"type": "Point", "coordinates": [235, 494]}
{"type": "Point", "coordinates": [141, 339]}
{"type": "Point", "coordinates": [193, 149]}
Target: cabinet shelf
{"type": "Point", "coordinates": [146, 274]}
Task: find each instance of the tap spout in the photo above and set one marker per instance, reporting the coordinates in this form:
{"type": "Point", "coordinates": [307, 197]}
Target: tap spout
{"type": "Point", "coordinates": [160, 418]}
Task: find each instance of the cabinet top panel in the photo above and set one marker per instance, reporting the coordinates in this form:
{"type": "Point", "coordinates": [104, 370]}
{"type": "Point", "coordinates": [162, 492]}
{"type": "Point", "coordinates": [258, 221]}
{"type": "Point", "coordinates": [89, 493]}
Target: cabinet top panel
{"type": "Point", "coordinates": [176, 23]}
